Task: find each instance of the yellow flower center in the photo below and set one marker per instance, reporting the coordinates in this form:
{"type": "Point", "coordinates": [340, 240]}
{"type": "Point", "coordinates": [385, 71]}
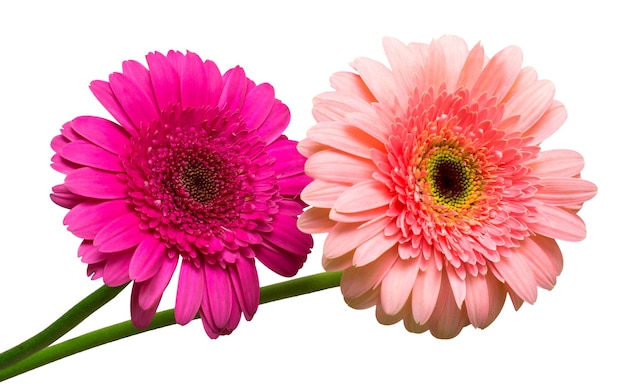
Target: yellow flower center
{"type": "Point", "coordinates": [452, 178]}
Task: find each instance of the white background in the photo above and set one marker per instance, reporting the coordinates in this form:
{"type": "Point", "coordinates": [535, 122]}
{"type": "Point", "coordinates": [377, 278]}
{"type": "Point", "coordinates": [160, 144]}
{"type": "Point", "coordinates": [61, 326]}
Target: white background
{"type": "Point", "coordinates": [50, 51]}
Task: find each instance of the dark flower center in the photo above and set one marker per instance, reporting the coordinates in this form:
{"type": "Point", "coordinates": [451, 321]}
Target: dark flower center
{"type": "Point", "coordinates": [202, 182]}
{"type": "Point", "coordinates": [451, 179]}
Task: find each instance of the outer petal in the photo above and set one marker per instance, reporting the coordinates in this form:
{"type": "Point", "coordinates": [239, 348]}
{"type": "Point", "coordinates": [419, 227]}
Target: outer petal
{"type": "Point", "coordinates": [424, 295]}
{"type": "Point", "coordinates": [101, 132]}
{"type": "Point", "coordinates": [86, 219]}
{"type": "Point", "coordinates": [165, 78]}
{"type": "Point", "coordinates": [220, 294]}
{"type": "Point", "coordinates": [152, 289]}
{"type": "Point", "coordinates": [245, 282]}
{"type": "Point", "coordinates": [90, 182]}
{"type": "Point", "coordinates": [119, 234]}
{"type": "Point", "coordinates": [397, 285]}
{"type": "Point", "coordinates": [500, 73]}
{"type": "Point", "coordinates": [190, 292]}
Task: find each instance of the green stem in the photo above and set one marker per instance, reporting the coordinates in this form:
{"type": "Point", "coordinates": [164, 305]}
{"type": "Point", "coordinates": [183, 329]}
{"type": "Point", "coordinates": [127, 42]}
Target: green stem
{"type": "Point", "coordinates": [60, 327]}
{"type": "Point", "coordinates": [279, 291]}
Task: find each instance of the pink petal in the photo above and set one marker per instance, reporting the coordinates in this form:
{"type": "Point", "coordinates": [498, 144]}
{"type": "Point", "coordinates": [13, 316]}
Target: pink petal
{"type": "Point", "coordinates": [500, 73]}
{"type": "Point", "coordinates": [289, 162]}
{"type": "Point", "coordinates": [357, 280]}
{"type": "Point", "coordinates": [138, 74]}
{"type": "Point", "coordinates": [518, 275]}
{"type": "Point", "coordinates": [477, 300]}
{"type": "Point", "coordinates": [275, 123]}
{"type": "Point", "coordinates": [363, 196]}
{"type": "Point", "coordinates": [446, 58]}
{"type": "Point", "coordinates": [343, 137]}
{"type": "Point", "coordinates": [559, 223]}
{"type": "Point", "coordinates": [165, 79]}
{"type": "Point", "coordinates": [544, 257]}
{"type": "Point", "coordinates": [315, 221]}
{"type": "Point", "coordinates": [373, 248]}
{"type": "Point", "coordinates": [258, 105]}
{"type": "Point", "coordinates": [286, 235]}
{"type": "Point", "coordinates": [351, 84]}
{"type": "Point", "coordinates": [397, 285]}
{"type": "Point", "coordinates": [338, 167]}
{"type": "Point", "coordinates": [214, 81]}
{"type": "Point", "coordinates": [559, 191]}
{"type": "Point", "coordinates": [323, 194]}
{"type": "Point", "coordinates": [278, 260]}
{"type": "Point", "coordinates": [138, 103]}
{"type": "Point", "coordinates": [116, 268]}
{"type": "Point", "coordinates": [425, 292]}
{"type": "Point", "coordinates": [152, 289]}
{"type": "Point", "coordinates": [88, 154]}
{"type": "Point", "coordinates": [120, 234]}
{"type": "Point", "coordinates": [530, 103]}
{"type": "Point", "coordinates": [189, 293]}
{"type": "Point", "coordinates": [551, 121]}
{"type": "Point", "coordinates": [472, 67]}
{"type": "Point", "coordinates": [339, 263]}
{"type": "Point", "coordinates": [346, 237]}
{"type": "Point", "coordinates": [103, 92]}
{"type": "Point", "coordinates": [447, 320]}
{"type": "Point", "coordinates": [90, 182]}
{"type": "Point", "coordinates": [405, 67]}
{"type": "Point", "coordinates": [245, 280]}
{"type": "Point", "coordinates": [64, 198]}
{"type": "Point", "coordinates": [86, 219]}
{"type": "Point", "coordinates": [380, 81]}
{"type": "Point", "coordinates": [557, 163]}
{"type": "Point", "coordinates": [194, 88]}
{"type": "Point", "coordinates": [362, 216]}
{"type": "Point", "coordinates": [102, 132]}
{"type": "Point", "coordinates": [457, 285]}
{"type": "Point", "coordinates": [140, 317]}
{"type": "Point", "coordinates": [147, 259]}
{"type": "Point", "coordinates": [220, 294]}
{"type": "Point", "coordinates": [234, 90]}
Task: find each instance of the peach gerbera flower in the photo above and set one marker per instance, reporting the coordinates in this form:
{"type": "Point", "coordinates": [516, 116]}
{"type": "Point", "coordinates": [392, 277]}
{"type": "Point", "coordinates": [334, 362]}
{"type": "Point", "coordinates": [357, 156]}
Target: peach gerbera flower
{"type": "Point", "coordinates": [430, 182]}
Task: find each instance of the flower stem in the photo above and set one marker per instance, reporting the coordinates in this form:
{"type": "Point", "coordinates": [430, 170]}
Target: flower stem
{"type": "Point", "coordinates": [279, 291]}
{"type": "Point", "coordinates": [61, 326]}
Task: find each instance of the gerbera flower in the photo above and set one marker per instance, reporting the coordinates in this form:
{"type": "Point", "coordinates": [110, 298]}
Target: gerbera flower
{"type": "Point", "coordinates": [432, 187]}
{"type": "Point", "coordinates": [198, 172]}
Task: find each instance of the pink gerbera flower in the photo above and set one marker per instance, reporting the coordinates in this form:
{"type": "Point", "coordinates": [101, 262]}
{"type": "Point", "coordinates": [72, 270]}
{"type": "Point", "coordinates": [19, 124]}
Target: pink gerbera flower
{"type": "Point", "coordinates": [432, 187]}
{"type": "Point", "coordinates": [198, 172]}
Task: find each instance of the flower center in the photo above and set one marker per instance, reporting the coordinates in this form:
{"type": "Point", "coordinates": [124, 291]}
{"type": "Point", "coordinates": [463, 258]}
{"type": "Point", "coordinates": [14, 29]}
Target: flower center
{"type": "Point", "coordinates": [197, 181]}
{"type": "Point", "coordinates": [451, 180]}
{"type": "Point", "coordinates": [203, 183]}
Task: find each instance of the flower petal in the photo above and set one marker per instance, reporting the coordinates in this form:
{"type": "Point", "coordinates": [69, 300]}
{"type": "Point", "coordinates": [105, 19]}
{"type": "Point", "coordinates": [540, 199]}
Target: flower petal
{"type": "Point", "coordinates": [189, 293]}
{"type": "Point", "coordinates": [397, 285]}
{"type": "Point", "coordinates": [90, 182]}
{"type": "Point", "coordinates": [101, 132]}
{"type": "Point", "coordinates": [86, 219]}
{"type": "Point", "coordinates": [165, 80]}
{"type": "Point", "coordinates": [559, 223]}
{"type": "Point", "coordinates": [363, 196]}
{"type": "Point", "coordinates": [557, 163]}
{"type": "Point", "coordinates": [119, 234]}
{"type": "Point", "coordinates": [220, 294]}
{"type": "Point", "coordinates": [147, 259]}
{"type": "Point", "coordinates": [152, 289]}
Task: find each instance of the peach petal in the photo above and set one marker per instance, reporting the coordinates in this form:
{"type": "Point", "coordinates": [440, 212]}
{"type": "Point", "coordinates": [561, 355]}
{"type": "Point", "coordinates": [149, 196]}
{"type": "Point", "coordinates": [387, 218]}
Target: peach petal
{"type": "Point", "coordinates": [397, 285]}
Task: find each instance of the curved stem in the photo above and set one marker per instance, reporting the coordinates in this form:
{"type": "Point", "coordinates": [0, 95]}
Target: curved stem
{"type": "Point", "coordinates": [61, 326]}
{"type": "Point", "coordinates": [279, 291]}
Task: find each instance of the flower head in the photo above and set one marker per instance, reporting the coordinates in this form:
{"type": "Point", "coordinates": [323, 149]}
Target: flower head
{"type": "Point", "coordinates": [198, 172]}
{"type": "Point", "coordinates": [429, 180]}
